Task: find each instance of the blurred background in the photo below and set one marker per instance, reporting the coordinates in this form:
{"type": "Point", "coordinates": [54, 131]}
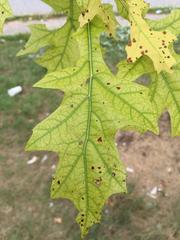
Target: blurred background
{"type": "Point", "coordinates": [151, 210]}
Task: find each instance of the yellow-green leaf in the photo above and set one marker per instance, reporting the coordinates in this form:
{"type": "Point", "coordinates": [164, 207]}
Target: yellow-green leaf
{"type": "Point", "coordinates": [61, 49]}
{"type": "Point", "coordinates": [96, 104]}
{"type": "Point", "coordinates": [5, 12]}
{"type": "Point", "coordinates": [123, 8]}
{"type": "Point", "coordinates": [165, 95]}
{"type": "Point", "coordinates": [170, 23]}
{"type": "Point", "coordinates": [104, 11]}
{"type": "Point", "coordinates": [132, 71]}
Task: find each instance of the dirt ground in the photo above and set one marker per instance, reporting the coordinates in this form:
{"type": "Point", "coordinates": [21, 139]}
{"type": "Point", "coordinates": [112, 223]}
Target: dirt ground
{"type": "Point", "coordinates": [155, 161]}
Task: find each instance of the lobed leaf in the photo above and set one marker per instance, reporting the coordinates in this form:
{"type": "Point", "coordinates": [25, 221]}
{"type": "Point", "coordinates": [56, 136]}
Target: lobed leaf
{"type": "Point", "coordinates": [145, 41]}
{"type": "Point", "coordinates": [61, 49]}
{"type": "Point", "coordinates": [165, 95]}
{"type": "Point", "coordinates": [96, 104]}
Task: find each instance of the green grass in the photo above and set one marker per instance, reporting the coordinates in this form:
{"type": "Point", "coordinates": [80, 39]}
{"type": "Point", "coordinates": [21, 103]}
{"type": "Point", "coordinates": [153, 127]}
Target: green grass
{"type": "Point", "coordinates": [18, 113]}
{"type": "Point", "coordinates": [24, 190]}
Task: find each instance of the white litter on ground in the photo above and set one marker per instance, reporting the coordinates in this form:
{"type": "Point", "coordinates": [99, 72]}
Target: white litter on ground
{"type": "Point", "coordinates": [153, 193]}
{"type": "Point", "coordinates": [44, 159]}
{"type": "Point", "coordinates": [57, 220]}
{"type": "Point", "coordinates": [51, 204]}
{"type": "Point", "coordinates": [32, 160]}
{"type": "Point", "coordinates": [130, 170]}
{"type": "Point", "coordinates": [14, 91]}
{"type": "Point", "coordinates": [53, 167]}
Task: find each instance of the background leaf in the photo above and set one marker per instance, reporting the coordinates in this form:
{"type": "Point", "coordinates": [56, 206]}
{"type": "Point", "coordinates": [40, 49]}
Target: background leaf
{"type": "Point", "coordinates": [5, 12]}
{"type": "Point", "coordinates": [145, 41]}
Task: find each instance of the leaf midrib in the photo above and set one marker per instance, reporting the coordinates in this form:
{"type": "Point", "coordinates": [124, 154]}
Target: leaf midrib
{"type": "Point", "coordinates": [89, 118]}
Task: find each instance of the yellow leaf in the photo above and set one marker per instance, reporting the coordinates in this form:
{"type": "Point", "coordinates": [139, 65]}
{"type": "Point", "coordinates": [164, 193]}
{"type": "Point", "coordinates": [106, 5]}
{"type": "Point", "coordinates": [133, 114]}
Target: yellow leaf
{"type": "Point", "coordinates": [145, 41]}
{"type": "Point", "coordinates": [103, 11]}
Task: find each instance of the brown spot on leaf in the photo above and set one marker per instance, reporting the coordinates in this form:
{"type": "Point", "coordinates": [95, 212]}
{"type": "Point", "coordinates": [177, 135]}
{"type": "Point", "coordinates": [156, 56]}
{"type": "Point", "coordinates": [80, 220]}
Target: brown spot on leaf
{"type": "Point", "coordinates": [99, 140]}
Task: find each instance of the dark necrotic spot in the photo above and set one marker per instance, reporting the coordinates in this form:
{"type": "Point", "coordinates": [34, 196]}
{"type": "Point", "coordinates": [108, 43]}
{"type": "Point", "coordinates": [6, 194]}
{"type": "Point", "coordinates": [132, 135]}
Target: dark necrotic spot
{"type": "Point", "coordinates": [81, 143]}
{"type": "Point", "coordinates": [99, 140]}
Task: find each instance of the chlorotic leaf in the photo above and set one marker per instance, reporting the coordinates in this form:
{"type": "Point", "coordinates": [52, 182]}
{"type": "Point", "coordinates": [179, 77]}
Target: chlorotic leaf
{"type": "Point", "coordinates": [132, 71]}
{"type": "Point", "coordinates": [63, 53]}
{"type": "Point", "coordinates": [61, 49]}
{"type": "Point", "coordinates": [145, 41]}
{"type": "Point", "coordinates": [170, 23]}
{"type": "Point", "coordinates": [123, 8]}
{"type": "Point", "coordinates": [5, 12]}
{"type": "Point", "coordinates": [165, 95]}
{"type": "Point", "coordinates": [96, 104]}
{"type": "Point", "coordinates": [89, 10]}
{"type": "Point", "coordinates": [40, 37]}
{"type": "Point", "coordinates": [104, 11]}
